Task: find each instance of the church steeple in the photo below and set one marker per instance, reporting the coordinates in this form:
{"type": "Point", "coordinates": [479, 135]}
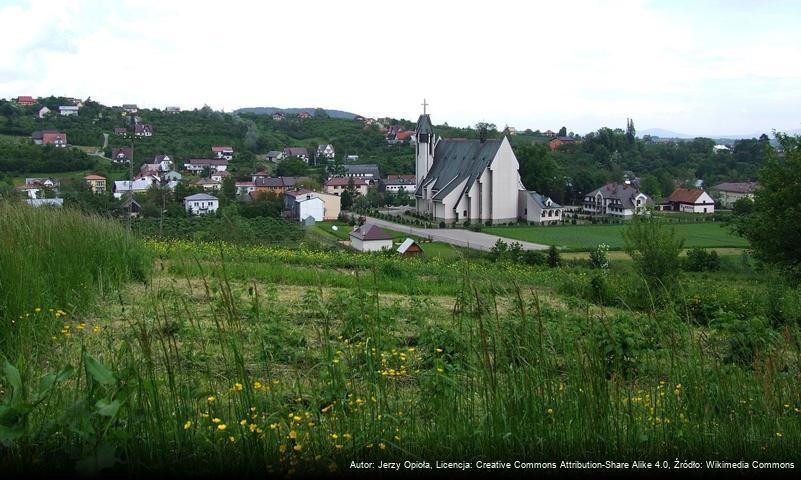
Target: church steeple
{"type": "Point", "coordinates": [424, 145]}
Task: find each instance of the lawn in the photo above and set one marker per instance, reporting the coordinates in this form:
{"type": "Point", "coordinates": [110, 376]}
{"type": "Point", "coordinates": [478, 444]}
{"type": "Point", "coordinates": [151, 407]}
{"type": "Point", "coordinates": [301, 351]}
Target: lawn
{"type": "Point", "coordinates": [587, 237]}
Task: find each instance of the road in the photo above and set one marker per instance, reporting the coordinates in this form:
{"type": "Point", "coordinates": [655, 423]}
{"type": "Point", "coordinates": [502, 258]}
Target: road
{"type": "Point", "coordinates": [454, 236]}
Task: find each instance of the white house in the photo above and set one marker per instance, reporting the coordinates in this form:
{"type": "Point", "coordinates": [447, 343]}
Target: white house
{"type": "Point", "coordinates": [196, 165]}
{"type": "Point", "coordinates": [143, 130]}
{"type": "Point", "coordinates": [43, 112]}
{"type": "Point", "coordinates": [224, 151]}
{"type": "Point", "coordinates": [536, 208]}
{"type": "Point", "coordinates": [303, 205]}
{"type": "Point", "coordinates": [66, 110]}
{"type": "Point", "coordinates": [275, 156]}
{"type": "Point", "coordinates": [137, 186]}
{"type": "Point", "coordinates": [458, 179]}
{"type": "Point", "coordinates": [619, 200]}
{"type": "Point", "coordinates": [691, 200]}
{"type": "Point", "coordinates": [396, 183]}
{"type": "Point", "coordinates": [370, 238]}
{"type": "Point", "coordinates": [326, 152]}
{"type": "Point", "coordinates": [201, 204]}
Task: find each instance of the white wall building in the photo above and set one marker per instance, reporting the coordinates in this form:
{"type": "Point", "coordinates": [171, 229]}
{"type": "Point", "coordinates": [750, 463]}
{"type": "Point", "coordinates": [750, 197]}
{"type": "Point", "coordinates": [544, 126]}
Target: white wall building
{"type": "Point", "coordinates": [616, 199]}
{"type": "Point", "coordinates": [370, 238]}
{"type": "Point", "coordinates": [201, 204]}
{"type": "Point", "coordinates": [536, 208]}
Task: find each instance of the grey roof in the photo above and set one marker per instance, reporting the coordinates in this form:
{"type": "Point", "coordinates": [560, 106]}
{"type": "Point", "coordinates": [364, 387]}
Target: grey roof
{"type": "Point", "coordinates": [733, 187]}
{"type": "Point", "coordinates": [541, 199]}
{"type": "Point", "coordinates": [200, 196]}
{"type": "Point", "coordinates": [621, 191]}
{"type": "Point", "coordinates": [456, 161]}
{"type": "Point", "coordinates": [274, 153]}
{"type": "Point", "coordinates": [362, 169]}
{"type": "Point", "coordinates": [369, 231]}
{"type": "Point", "coordinates": [424, 125]}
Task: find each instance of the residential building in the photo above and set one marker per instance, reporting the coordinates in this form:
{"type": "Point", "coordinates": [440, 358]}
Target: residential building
{"type": "Point", "coordinates": [275, 156]}
{"type": "Point", "coordinates": [96, 183]}
{"type": "Point", "coordinates": [325, 152]}
{"type": "Point", "coordinates": [223, 151]}
{"type": "Point", "coordinates": [337, 185]}
{"type": "Point", "coordinates": [396, 183]}
{"type": "Point", "coordinates": [351, 158]}
{"type": "Point", "coordinates": [539, 209]}
{"type": "Point", "coordinates": [120, 130]}
{"type": "Point", "coordinates": [121, 155]}
{"type": "Point", "coordinates": [26, 100]}
{"type": "Point", "coordinates": [730, 192]}
{"type": "Point", "coordinates": [243, 188]}
{"type": "Point", "coordinates": [172, 110]}
{"type": "Point", "coordinates": [366, 171]}
{"type": "Point", "coordinates": [691, 200]}
{"type": "Point", "coordinates": [459, 180]}
{"type": "Point", "coordinates": [721, 148]}
{"type": "Point", "coordinates": [130, 108]}
{"type": "Point", "coordinates": [196, 165]}
{"type": "Point", "coordinates": [132, 186]}
{"type": "Point", "coordinates": [57, 139]}
{"type": "Point", "coordinates": [43, 112]}
{"type": "Point", "coordinates": [277, 185]}
{"type": "Point", "coordinates": [201, 204]}
{"type": "Point", "coordinates": [559, 141]}
{"type": "Point", "coordinates": [620, 200]}
{"type": "Point", "coordinates": [370, 238]}
{"type": "Point", "coordinates": [549, 133]}
{"type": "Point", "coordinates": [173, 176]}
{"type": "Point", "coordinates": [66, 110]}
{"type": "Point", "coordinates": [143, 130]}
{"type": "Point", "coordinates": [299, 152]}
{"type": "Point", "coordinates": [301, 204]}
{"type": "Point", "coordinates": [164, 162]}
{"type": "Point", "coordinates": [304, 115]}
{"type": "Point", "coordinates": [278, 116]}
{"type": "Point", "coordinates": [131, 207]}
{"type": "Point", "coordinates": [219, 176]}
{"type": "Point", "coordinates": [207, 184]}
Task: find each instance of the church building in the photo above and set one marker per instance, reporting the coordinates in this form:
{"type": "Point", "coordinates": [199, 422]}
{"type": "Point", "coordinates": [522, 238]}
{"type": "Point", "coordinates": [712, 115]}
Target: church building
{"type": "Point", "coordinates": [460, 179]}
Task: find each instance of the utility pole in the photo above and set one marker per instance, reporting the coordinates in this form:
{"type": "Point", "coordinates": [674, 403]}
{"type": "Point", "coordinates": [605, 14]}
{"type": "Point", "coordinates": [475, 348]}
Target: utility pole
{"type": "Point", "coordinates": [130, 170]}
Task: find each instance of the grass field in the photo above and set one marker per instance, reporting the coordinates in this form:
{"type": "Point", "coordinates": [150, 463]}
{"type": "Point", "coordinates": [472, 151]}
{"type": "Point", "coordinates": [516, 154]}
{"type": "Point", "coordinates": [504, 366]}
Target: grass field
{"type": "Point", "coordinates": [265, 360]}
{"type": "Point", "coordinates": [587, 237]}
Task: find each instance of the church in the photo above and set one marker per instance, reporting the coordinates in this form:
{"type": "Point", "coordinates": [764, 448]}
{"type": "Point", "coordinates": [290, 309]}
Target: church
{"type": "Point", "coordinates": [475, 180]}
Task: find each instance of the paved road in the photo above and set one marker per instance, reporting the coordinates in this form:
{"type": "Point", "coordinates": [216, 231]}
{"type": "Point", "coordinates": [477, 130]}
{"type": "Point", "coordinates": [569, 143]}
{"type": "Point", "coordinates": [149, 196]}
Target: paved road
{"type": "Point", "coordinates": [455, 236]}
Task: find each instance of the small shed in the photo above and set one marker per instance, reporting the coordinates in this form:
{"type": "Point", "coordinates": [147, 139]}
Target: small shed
{"type": "Point", "coordinates": [370, 238]}
{"type": "Point", "coordinates": [409, 248]}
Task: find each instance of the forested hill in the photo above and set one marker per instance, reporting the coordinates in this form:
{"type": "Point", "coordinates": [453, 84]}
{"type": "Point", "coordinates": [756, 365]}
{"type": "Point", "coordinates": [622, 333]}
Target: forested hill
{"type": "Point", "coordinates": [565, 174]}
{"type": "Point", "coordinates": [295, 111]}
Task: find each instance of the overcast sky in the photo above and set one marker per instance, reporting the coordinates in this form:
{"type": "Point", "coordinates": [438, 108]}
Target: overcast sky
{"type": "Point", "coordinates": [718, 67]}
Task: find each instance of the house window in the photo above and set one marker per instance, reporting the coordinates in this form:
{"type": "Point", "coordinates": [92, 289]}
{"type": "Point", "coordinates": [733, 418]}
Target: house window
{"type": "Point", "coordinates": [464, 214]}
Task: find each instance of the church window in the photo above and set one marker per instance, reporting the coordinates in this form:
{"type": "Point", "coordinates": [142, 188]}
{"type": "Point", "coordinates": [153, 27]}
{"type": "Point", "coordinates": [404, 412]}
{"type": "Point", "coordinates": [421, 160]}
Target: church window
{"type": "Point", "coordinates": [465, 214]}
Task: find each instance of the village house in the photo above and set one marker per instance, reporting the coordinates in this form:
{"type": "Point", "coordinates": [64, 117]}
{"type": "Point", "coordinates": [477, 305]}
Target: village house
{"type": "Point", "coordinates": [140, 185]}
{"type": "Point", "coordinates": [358, 118]}
{"type": "Point", "coordinates": [396, 183]}
{"type": "Point", "coordinates": [278, 116]}
{"type": "Point", "coordinates": [196, 165]}
{"type": "Point", "coordinates": [370, 238]}
{"type": "Point", "coordinates": [366, 171]}
{"type": "Point", "coordinates": [173, 176]}
{"type": "Point", "coordinates": [244, 188]}
{"type": "Point", "coordinates": [201, 204]}
{"type": "Point", "coordinates": [26, 100]}
{"type": "Point", "coordinates": [223, 151]}
{"type": "Point", "coordinates": [304, 115]}
{"type": "Point", "coordinates": [297, 208]}
{"type": "Point", "coordinates": [96, 183]}
{"type": "Point", "coordinates": [325, 152]}
{"type": "Point", "coordinates": [164, 162]}
{"type": "Point", "coordinates": [121, 155]}
{"type": "Point", "coordinates": [57, 139]}
{"type": "Point", "coordinates": [409, 248]}
{"type": "Point", "coordinates": [460, 180]}
{"type": "Point", "coordinates": [131, 207]}
{"type": "Point", "coordinates": [337, 185]}
{"type": "Point", "coordinates": [207, 184]}
{"type": "Point", "coordinates": [539, 209]}
{"type": "Point", "coordinates": [691, 200]}
{"type": "Point", "coordinates": [130, 108]}
{"type": "Point", "coordinates": [549, 133]}
{"type": "Point", "coordinates": [275, 156]}
{"type": "Point", "coordinates": [299, 152]}
{"type": "Point", "coordinates": [219, 176]}
{"type": "Point", "coordinates": [559, 141]}
{"type": "Point", "coordinates": [43, 112]}
{"type": "Point", "coordinates": [172, 110]}
{"type": "Point", "coordinates": [120, 130]}
{"type": "Point", "coordinates": [66, 110]}
{"type": "Point", "coordinates": [730, 192]}
{"type": "Point", "coordinates": [143, 130]}
{"type": "Point", "coordinates": [619, 200]}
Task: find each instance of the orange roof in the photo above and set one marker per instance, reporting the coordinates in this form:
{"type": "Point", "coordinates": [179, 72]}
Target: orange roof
{"type": "Point", "coordinates": [685, 195]}
{"type": "Point", "coordinates": [94, 177]}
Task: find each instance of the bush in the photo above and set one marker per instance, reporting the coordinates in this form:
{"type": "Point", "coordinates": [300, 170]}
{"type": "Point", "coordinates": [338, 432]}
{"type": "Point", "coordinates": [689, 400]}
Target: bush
{"type": "Point", "coordinates": [746, 338]}
{"type": "Point", "coordinates": [554, 259]}
{"type": "Point", "coordinates": [700, 260]}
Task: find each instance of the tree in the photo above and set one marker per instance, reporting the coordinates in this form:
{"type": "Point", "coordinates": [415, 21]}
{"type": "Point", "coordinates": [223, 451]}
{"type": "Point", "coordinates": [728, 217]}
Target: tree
{"type": "Point", "coordinates": [631, 133]}
{"type": "Point", "coordinates": [228, 189]}
{"type": "Point", "coordinates": [346, 200]}
{"type": "Point", "coordinates": [771, 224]}
{"type": "Point", "coordinates": [562, 132]}
{"type": "Point", "coordinates": [650, 186]}
{"type": "Point", "coordinates": [292, 167]}
{"type": "Point", "coordinates": [554, 259]}
{"type": "Point", "coordinates": [402, 198]}
{"type": "Point", "coordinates": [655, 250]}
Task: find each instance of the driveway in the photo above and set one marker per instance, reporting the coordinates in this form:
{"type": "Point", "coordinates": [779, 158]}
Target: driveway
{"type": "Point", "coordinates": [454, 236]}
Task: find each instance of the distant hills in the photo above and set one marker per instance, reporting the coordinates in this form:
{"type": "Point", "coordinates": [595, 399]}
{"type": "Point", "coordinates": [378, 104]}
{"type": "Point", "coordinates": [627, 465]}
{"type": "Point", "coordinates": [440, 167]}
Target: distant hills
{"type": "Point", "coordinates": [662, 133]}
{"type": "Point", "coordinates": [294, 111]}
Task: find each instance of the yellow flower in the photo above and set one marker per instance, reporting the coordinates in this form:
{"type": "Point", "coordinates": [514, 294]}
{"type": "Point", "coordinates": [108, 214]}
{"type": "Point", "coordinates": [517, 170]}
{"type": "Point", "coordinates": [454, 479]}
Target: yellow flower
{"type": "Point", "coordinates": [231, 439]}
{"type": "Point", "coordinates": [37, 309]}
{"type": "Point", "coordinates": [293, 434]}
{"type": "Point", "coordinates": [439, 350]}
{"type": "Point", "coordinates": [252, 427]}
{"type": "Point", "coordinates": [382, 446]}
{"type": "Point", "coordinates": [550, 411]}
{"type": "Point", "coordinates": [440, 370]}
{"type": "Point", "coordinates": [346, 436]}
{"type": "Point", "coordinates": [243, 422]}
{"type": "Point", "coordinates": [187, 425]}
{"type": "Point", "coordinates": [332, 467]}
{"type": "Point", "coordinates": [238, 387]}
{"type": "Point", "coordinates": [297, 447]}
{"type": "Point", "coordinates": [221, 426]}
{"type": "Point", "coordinates": [779, 434]}
{"type": "Point", "coordinates": [282, 448]}
{"type": "Point", "coordinates": [257, 385]}
{"type": "Point", "coordinates": [215, 420]}
{"type": "Point", "coordinates": [211, 399]}
{"type": "Point", "coordinates": [273, 426]}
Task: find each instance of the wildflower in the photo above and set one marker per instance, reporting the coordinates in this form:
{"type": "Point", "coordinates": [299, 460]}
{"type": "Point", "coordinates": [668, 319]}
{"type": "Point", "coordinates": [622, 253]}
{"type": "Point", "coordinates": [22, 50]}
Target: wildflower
{"type": "Point", "coordinates": [222, 426]}
{"type": "Point", "coordinates": [282, 448]}
{"type": "Point", "coordinates": [346, 436]}
{"type": "Point", "coordinates": [273, 426]}
{"type": "Point", "coordinates": [243, 422]}
{"type": "Point", "coordinates": [238, 387]}
{"type": "Point", "coordinates": [293, 434]}
{"type": "Point", "coordinates": [257, 385]}
{"type": "Point", "coordinates": [296, 418]}
{"type": "Point", "coordinates": [215, 420]}
{"type": "Point", "coordinates": [779, 434]}
{"type": "Point", "coordinates": [187, 425]}
{"type": "Point", "coordinates": [550, 411]}
{"type": "Point", "coordinates": [231, 439]}
{"type": "Point", "coordinates": [297, 447]}
{"type": "Point", "coordinates": [439, 350]}
{"type": "Point", "coordinates": [37, 309]}
{"type": "Point", "coordinates": [332, 467]}
{"type": "Point", "coordinates": [211, 399]}
{"type": "Point", "coordinates": [252, 427]}
{"type": "Point", "coordinates": [382, 446]}
{"type": "Point", "coordinates": [440, 370]}
{"type": "Point", "coordinates": [334, 436]}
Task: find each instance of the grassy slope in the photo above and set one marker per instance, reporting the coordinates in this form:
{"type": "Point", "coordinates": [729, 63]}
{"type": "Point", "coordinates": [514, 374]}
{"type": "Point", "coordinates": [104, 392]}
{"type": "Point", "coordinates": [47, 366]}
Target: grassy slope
{"type": "Point", "coordinates": [587, 237]}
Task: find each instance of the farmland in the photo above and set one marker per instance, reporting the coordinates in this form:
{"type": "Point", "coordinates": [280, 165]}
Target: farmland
{"type": "Point", "coordinates": [296, 359]}
{"type": "Point", "coordinates": [587, 237]}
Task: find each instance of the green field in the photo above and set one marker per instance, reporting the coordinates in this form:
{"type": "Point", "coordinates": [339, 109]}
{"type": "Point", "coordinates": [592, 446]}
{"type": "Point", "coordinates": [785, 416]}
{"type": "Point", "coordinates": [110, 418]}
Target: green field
{"type": "Point", "coordinates": [587, 237]}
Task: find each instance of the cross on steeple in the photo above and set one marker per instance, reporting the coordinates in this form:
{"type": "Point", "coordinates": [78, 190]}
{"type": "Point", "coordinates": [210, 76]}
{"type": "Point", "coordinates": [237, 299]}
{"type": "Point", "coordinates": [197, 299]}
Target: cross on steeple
{"type": "Point", "coordinates": [424, 104]}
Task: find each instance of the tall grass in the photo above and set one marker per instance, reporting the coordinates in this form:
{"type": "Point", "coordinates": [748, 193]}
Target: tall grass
{"type": "Point", "coordinates": [58, 259]}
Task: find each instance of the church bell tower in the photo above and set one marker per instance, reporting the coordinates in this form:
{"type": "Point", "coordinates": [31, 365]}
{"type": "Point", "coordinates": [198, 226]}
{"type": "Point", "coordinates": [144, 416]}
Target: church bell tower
{"type": "Point", "coordinates": [424, 145]}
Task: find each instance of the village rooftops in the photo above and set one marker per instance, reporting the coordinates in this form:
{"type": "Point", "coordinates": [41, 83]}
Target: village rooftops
{"type": "Point", "coordinates": [734, 187]}
{"type": "Point", "coordinates": [94, 177]}
{"type": "Point", "coordinates": [222, 149]}
{"type": "Point", "coordinates": [200, 197]}
{"type": "Point", "coordinates": [400, 180]}
{"type": "Point", "coordinates": [208, 161]}
{"type": "Point", "coordinates": [362, 170]}
{"type": "Point", "coordinates": [370, 232]}
{"type": "Point", "coordinates": [345, 181]}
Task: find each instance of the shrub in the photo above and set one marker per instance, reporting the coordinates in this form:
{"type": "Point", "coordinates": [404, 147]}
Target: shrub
{"type": "Point", "coordinates": [599, 256]}
{"type": "Point", "coordinates": [700, 260]}
{"type": "Point", "coordinates": [746, 337]}
{"type": "Point", "coordinates": [554, 259]}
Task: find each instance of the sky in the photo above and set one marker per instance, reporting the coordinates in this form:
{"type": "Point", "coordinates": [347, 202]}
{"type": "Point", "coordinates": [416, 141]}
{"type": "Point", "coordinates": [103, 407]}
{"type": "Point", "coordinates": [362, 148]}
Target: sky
{"type": "Point", "coordinates": [694, 67]}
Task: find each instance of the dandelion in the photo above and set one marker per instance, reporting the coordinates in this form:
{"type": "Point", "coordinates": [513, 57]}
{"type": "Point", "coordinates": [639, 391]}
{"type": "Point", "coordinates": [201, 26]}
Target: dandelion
{"type": "Point", "coordinates": [238, 387]}
{"type": "Point", "coordinates": [222, 426]}
{"type": "Point", "coordinates": [187, 425]}
{"type": "Point", "coordinates": [293, 434]}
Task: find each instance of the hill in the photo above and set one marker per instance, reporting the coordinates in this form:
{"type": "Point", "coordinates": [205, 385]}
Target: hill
{"type": "Point", "coordinates": [294, 111]}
